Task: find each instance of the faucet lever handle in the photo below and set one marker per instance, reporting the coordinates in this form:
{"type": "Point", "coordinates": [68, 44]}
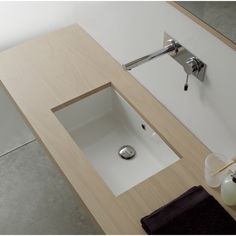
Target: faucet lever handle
{"type": "Point", "coordinates": [192, 66]}
{"type": "Point", "coordinates": [186, 83]}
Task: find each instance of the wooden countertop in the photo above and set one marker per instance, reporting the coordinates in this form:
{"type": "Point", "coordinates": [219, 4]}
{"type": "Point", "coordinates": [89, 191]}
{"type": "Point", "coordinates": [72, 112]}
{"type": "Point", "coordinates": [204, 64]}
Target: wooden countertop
{"type": "Point", "coordinates": [61, 67]}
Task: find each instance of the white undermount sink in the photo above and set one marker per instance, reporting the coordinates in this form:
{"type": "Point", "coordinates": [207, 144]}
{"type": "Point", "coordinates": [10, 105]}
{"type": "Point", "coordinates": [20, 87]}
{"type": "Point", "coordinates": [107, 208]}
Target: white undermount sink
{"type": "Point", "coordinates": [103, 122]}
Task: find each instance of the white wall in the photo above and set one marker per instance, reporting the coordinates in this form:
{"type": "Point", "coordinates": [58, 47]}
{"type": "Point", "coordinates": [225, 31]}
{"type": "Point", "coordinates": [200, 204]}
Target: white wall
{"type": "Point", "coordinates": [13, 130]}
{"type": "Point", "coordinates": [131, 29]}
{"type": "Point", "coordinates": [20, 21]}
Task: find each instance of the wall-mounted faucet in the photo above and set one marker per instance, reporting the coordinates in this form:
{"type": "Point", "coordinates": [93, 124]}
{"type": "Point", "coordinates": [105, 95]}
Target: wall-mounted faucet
{"type": "Point", "coordinates": [172, 46]}
{"type": "Point", "coordinates": [192, 65]}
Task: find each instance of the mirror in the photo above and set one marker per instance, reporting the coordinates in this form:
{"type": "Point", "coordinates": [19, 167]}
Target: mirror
{"type": "Point", "coordinates": [219, 18]}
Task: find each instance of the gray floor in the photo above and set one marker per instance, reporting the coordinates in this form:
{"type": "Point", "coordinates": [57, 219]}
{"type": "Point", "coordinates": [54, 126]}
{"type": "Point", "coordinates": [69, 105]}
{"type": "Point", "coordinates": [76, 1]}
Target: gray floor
{"type": "Point", "coordinates": [35, 198]}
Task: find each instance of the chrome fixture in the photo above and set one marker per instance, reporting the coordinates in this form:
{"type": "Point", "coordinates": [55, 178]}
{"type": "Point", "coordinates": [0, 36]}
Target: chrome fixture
{"type": "Point", "coordinates": [192, 65]}
{"type": "Point", "coordinates": [127, 152]}
{"type": "Point", "coordinates": [171, 47]}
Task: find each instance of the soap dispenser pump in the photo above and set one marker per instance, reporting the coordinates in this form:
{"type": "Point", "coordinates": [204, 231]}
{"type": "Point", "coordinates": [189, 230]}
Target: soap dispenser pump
{"type": "Point", "coordinates": [228, 190]}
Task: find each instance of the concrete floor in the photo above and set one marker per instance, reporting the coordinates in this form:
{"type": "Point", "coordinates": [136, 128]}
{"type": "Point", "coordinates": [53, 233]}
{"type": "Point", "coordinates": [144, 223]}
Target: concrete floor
{"type": "Point", "coordinates": [35, 198]}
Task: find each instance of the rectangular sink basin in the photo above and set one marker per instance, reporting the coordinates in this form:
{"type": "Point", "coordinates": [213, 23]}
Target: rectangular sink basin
{"type": "Point", "coordinates": [104, 122]}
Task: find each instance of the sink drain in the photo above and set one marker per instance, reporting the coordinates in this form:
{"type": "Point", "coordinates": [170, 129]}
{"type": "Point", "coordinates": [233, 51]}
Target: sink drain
{"type": "Point", "coordinates": [127, 152]}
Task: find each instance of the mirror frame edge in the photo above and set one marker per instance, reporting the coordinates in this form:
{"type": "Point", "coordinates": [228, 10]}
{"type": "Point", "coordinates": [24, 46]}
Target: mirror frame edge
{"type": "Point", "coordinates": [208, 28]}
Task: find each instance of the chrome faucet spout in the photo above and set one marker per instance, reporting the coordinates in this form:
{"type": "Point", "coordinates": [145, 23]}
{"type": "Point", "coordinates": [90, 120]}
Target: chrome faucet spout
{"type": "Point", "coordinates": [173, 46]}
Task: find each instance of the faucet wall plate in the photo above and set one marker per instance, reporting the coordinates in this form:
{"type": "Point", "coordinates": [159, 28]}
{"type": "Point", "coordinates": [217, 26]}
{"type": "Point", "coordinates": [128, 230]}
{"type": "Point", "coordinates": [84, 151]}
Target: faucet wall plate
{"type": "Point", "coordinates": [183, 55]}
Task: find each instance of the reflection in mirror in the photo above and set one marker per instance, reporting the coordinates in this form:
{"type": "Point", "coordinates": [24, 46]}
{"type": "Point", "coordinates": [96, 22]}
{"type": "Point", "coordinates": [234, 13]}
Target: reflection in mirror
{"type": "Point", "coordinates": [219, 15]}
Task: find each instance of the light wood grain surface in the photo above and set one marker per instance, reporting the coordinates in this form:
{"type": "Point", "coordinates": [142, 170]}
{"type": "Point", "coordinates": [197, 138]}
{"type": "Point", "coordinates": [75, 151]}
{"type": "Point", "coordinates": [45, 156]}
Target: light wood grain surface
{"type": "Point", "coordinates": [56, 69]}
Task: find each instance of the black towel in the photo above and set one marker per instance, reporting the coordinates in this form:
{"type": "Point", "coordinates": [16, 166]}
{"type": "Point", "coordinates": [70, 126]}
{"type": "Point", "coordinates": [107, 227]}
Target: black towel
{"type": "Point", "coordinates": [193, 212]}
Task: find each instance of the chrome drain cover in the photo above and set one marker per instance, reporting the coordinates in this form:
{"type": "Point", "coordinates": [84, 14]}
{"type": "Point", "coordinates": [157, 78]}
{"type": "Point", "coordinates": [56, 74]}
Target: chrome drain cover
{"type": "Point", "coordinates": [127, 152]}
